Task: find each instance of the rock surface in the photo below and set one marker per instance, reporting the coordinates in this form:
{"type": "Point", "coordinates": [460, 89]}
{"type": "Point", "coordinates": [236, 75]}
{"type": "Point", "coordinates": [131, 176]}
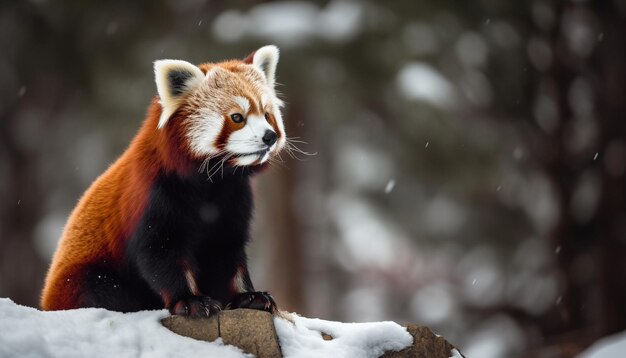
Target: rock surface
{"type": "Point", "coordinates": [253, 332]}
{"type": "Point", "coordinates": [425, 344]}
{"type": "Point", "coordinates": [250, 330]}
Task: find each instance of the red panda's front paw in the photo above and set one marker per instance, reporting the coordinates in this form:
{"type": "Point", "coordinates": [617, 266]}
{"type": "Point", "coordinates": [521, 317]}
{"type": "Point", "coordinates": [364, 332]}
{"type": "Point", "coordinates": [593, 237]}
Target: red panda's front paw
{"type": "Point", "coordinates": [196, 307]}
{"type": "Point", "coordinates": [254, 300]}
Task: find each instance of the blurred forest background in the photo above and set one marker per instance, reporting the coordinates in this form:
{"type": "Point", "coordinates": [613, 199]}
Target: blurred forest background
{"type": "Point", "coordinates": [470, 154]}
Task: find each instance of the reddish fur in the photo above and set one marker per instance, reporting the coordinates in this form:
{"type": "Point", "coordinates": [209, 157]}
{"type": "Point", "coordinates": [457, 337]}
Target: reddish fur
{"type": "Point", "coordinates": [249, 58]}
{"type": "Point", "coordinates": [234, 289]}
{"type": "Point", "coordinates": [272, 121]}
{"type": "Point", "coordinates": [109, 210]}
{"type": "Point", "coordinates": [230, 126]}
{"type": "Point", "coordinates": [108, 213]}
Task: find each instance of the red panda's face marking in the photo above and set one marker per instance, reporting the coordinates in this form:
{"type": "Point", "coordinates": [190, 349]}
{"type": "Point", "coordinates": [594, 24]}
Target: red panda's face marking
{"type": "Point", "coordinates": [233, 109]}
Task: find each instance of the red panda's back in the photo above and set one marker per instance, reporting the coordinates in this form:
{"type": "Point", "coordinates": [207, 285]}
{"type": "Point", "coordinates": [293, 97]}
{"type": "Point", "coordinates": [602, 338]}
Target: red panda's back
{"type": "Point", "coordinates": [99, 226]}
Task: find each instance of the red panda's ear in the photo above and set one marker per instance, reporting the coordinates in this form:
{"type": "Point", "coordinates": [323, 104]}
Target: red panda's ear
{"type": "Point", "coordinates": [249, 58]}
{"type": "Point", "coordinates": [266, 59]}
{"type": "Point", "coordinates": [174, 78]}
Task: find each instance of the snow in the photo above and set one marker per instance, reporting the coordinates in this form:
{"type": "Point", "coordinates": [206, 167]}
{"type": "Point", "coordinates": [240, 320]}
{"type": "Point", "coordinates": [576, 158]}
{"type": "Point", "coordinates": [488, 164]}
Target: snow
{"type": "Point", "coordinates": [420, 81]}
{"type": "Point", "coordinates": [608, 347]}
{"type": "Point", "coordinates": [455, 354]}
{"type": "Point", "coordinates": [292, 23]}
{"type": "Point", "coordinates": [92, 332]}
{"type": "Point", "coordinates": [390, 185]}
{"type": "Point", "coordinates": [386, 242]}
{"type": "Point", "coordinates": [303, 338]}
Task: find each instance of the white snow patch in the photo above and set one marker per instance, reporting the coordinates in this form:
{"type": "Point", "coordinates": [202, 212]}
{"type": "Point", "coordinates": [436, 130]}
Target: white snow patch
{"type": "Point", "coordinates": [390, 185]}
{"type": "Point", "coordinates": [292, 23]}
{"type": "Point", "coordinates": [419, 81]}
{"type": "Point", "coordinates": [368, 238]}
{"type": "Point", "coordinates": [94, 332]}
{"type": "Point", "coordinates": [455, 354]}
{"type": "Point", "coordinates": [287, 23]}
{"type": "Point", "coordinates": [340, 21]}
{"type": "Point", "coordinates": [304, 338]}
{"type": "Point", "coordinates": [608, 347]}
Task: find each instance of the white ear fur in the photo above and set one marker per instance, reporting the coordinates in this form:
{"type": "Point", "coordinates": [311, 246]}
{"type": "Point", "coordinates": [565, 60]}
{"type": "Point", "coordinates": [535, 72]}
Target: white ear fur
{"type": "Point", "coordinates": [173, 79]}
{"type": "Point", "coordinates": [266, 59]}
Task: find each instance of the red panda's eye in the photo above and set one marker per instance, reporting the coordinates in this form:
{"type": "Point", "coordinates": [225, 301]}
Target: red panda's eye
{"type": "Point", "coordinates": [267, 116]}
{"type": "Point", "coordinates": [236, 117]}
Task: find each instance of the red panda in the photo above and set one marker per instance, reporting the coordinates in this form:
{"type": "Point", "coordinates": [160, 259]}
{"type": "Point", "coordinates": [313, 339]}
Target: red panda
{"type": "Point", "coordinates": [166, 225]}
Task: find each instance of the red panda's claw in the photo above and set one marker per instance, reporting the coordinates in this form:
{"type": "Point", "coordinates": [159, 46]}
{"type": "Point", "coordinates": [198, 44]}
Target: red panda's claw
{"type": "Point", "coordinates": [254, 300]}
{"type": "Point", "coordinates": [181, 308]}
{"type": "Point", "coordinates": [196, 307]}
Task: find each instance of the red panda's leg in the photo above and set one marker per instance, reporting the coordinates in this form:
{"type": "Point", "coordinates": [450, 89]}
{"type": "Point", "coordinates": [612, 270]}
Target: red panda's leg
{"type": "Point", "coordinates": [164, 263]}
{"type": "Point", "coordinates": [170, 274]}
{"type": "Point", "coordinates": [244, 295]}
{"type": "Point", "coordinates": [163, 250]}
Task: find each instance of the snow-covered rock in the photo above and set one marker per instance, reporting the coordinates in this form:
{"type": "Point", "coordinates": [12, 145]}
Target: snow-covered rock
{"type": "Point", "coordinates": [92, 332]}
{"type": "Point", "coordinates": [303, 338]}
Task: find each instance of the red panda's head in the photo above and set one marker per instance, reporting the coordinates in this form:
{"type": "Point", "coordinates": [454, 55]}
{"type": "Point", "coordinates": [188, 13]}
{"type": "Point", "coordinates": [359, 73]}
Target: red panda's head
{"type": "Point", "coordinates": [227, 110]}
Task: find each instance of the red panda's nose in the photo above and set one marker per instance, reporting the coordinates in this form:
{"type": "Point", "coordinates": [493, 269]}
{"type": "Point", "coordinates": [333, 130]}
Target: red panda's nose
{"type": "Point", "coordinates": [269, 138]}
